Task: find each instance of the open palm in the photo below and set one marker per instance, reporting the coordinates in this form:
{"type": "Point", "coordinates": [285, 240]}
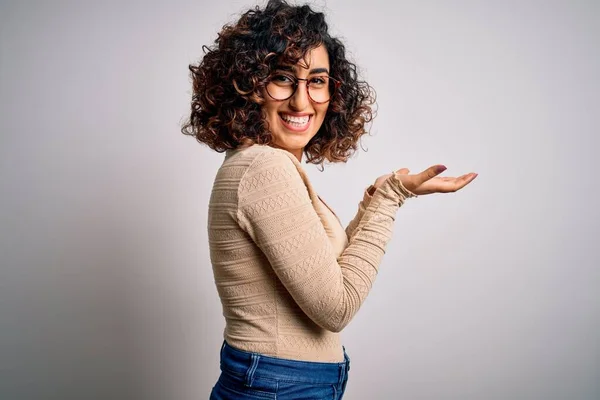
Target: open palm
{"type": "Point", "coordinates": [428, 181]}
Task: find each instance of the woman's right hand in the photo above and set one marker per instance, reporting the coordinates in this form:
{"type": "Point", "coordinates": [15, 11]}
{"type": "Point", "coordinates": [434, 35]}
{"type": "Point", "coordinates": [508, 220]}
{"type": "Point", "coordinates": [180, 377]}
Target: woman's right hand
{"type": "Point", "coordinates": [428, 181]}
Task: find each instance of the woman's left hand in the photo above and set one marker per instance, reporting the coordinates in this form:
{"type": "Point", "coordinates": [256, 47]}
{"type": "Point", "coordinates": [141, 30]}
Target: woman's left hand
{"type": "Point", "coordinates": [427, 182]}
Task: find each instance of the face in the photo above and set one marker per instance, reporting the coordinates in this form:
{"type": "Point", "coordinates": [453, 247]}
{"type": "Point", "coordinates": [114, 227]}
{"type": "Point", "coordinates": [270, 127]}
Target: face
{"type": "Point", "coordinates": [293, 122]}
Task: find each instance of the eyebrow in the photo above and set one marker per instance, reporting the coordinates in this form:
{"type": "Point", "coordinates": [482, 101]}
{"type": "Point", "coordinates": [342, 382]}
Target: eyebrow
{"type": "Point", "coordinates": [312, 71]}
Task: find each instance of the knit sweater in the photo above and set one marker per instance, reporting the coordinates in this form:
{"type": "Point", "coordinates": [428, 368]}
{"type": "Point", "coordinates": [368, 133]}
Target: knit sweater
{"type": "Point", "coordinates": [289, 276]}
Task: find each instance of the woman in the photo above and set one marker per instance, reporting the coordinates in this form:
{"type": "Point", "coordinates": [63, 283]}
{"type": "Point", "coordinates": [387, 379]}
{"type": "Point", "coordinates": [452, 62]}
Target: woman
{"type": "Point", "coordinates": [276, 86]}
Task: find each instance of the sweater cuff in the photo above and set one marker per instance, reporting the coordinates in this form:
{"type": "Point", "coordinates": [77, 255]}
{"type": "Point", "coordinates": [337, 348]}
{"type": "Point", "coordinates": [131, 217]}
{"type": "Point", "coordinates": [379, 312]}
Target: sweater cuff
{"type": "Point", "coordinates": [403, 192]}
{"type": "Point", "coordinates": [394, 189]}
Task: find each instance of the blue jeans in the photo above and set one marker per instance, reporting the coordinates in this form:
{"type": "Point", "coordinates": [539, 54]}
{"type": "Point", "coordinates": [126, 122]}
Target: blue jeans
{"type": "Point", "coordinates": [254, 376]}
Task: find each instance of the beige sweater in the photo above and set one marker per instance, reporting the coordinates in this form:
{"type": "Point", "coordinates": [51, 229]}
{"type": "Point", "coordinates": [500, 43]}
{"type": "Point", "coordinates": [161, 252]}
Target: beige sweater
{"type": "Point", "coordinates": [289, 276]}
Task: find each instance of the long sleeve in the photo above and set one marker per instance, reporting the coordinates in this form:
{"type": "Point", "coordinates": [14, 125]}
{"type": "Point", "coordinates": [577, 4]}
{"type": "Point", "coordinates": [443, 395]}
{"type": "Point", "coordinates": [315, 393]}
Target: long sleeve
{"type": "Point", "coordinates": [276, 211]}
{"type": "Point", "coordinates": [362, 207]}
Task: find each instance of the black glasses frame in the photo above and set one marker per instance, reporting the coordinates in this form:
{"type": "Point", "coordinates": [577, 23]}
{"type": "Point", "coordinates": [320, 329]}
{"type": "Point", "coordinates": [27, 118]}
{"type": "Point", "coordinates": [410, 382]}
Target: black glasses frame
{"type": "Point", "coordinates": [336, 85]}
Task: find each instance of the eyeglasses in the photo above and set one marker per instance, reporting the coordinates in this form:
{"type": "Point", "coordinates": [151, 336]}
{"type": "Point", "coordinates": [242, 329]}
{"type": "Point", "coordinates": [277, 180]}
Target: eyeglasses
{"type": "Point", "coordinates": [320, 89]}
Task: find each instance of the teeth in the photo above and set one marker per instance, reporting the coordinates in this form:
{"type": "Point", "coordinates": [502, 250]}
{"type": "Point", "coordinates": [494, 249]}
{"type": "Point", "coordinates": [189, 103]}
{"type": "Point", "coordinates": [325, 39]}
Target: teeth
{"type": "Point", "coordinates": [295, 120]}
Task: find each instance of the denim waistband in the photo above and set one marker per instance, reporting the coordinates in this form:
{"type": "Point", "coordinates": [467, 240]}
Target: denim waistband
{"type": "Point", "coordinates": [252, 365]}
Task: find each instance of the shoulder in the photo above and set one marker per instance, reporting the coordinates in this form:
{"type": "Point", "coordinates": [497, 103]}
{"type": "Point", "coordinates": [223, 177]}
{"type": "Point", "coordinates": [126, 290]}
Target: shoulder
{"type": "Point", "coordinates": [268, 154]}
{"type": "Point", "coordinates": [261, 167]}
{"type": "Point", "coordinates": [238, 162]}
{"type": "Point", "coordinates": [257, 164]}
{"type": "Point", "coordinates": [259, 158]}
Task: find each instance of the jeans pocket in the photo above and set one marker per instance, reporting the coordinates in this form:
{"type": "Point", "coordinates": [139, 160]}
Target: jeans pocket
{"type": "Point", "coordinates": [223, 392]}
{"type": "Point", "coordinates": [299, 390]}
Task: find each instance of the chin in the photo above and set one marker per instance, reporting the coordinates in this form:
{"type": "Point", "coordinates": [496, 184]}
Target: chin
{"type": "Point", "coordinates": [291, 143]}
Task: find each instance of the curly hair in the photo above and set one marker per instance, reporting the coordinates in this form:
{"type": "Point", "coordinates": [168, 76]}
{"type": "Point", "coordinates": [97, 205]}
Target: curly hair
{"type": "Point", "coordinates": [228, 82]}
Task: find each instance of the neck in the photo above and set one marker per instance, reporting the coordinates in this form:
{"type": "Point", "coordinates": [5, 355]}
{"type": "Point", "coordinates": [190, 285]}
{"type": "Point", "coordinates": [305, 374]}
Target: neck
{"type": "Point", "coordinates": [297, 154]}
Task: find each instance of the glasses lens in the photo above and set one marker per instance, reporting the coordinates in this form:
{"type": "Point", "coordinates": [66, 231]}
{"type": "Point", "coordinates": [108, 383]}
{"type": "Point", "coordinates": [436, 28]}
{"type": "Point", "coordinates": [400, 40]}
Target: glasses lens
{"type": "Point", "coordinates": [320, 88]}
{"type": "Point", "coordinates": [281, 87]}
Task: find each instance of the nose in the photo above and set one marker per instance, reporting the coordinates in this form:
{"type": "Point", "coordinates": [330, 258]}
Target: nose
{"type": "Point", "coordinates": [300, 100]}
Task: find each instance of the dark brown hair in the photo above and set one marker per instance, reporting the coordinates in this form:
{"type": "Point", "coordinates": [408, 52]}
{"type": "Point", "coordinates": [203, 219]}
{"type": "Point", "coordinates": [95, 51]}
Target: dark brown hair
{"type": "Point", "coordinates": [228, 82]}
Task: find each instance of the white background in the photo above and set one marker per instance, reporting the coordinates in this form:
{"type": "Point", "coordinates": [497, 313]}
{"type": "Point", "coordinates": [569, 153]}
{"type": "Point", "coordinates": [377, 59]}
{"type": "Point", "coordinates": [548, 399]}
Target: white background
{"type": "Point", "coordinates": [106, 289]}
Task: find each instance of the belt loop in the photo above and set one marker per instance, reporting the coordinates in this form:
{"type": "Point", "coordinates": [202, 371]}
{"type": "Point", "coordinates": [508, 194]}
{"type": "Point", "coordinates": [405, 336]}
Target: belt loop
{"type": "Point", "coordinates": [250, 373]}
{"type": "Point", "coordinates": [343, 366]}
{"type": "Point", "coordinates": [221, 355]}
{"type": "Point", "coordinates": [346, 359]}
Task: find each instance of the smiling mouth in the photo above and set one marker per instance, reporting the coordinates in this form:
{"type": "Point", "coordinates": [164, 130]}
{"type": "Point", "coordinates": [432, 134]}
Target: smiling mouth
{"type": "Point", "coordinates": [295, 123]}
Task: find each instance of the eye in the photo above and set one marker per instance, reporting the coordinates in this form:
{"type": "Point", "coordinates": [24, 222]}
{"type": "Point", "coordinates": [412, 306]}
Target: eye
{"type": "Point", "coordinates": [318, 81]}
{"type": "Point", "coordinates": [282, 79]}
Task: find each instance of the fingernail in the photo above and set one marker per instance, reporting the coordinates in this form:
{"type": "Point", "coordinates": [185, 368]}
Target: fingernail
{"type": "Point", "coordinates": [440, 169]}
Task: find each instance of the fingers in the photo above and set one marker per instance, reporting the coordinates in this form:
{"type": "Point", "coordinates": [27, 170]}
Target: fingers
{"type": "Point", "coordinates": [429, 173]}
{"type": "Point", "coordinates": [428, 181]}
{"type": "Point", "coordinates": [449, 185]}
{"type": "Point", "coordinates": [461, 182]}
{"type": "Point", "coordinates": [467, 178]}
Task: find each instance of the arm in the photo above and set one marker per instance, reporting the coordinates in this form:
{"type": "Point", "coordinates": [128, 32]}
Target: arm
{"type": "Point", "coordinates": [362, 206]}
{"type": "Point", "coordinates": [275, 209]}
